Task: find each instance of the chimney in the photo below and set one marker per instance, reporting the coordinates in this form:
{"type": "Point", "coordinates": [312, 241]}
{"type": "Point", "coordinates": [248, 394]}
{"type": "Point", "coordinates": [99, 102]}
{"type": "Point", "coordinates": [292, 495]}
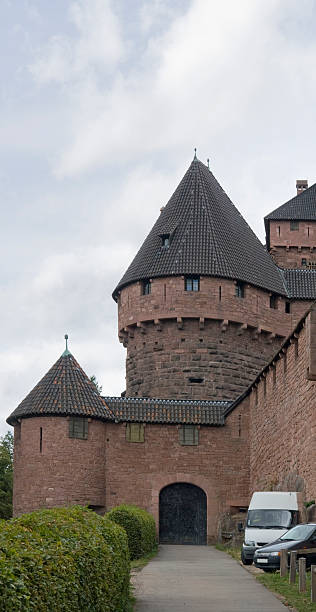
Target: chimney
{"type": "Point", "coordinates": [301, 185]}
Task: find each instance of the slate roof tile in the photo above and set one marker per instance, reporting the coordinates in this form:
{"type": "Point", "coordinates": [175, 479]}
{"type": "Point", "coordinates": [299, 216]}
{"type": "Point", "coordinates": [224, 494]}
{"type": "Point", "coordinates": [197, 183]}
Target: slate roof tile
{"type": "Point", "coordinates": [300, 283]}
{"type": "Point", "coordinates": [210, 237]}
{"type": "Point", "coordinates": [64, 390]}
{"type": "Point", "coordinates": [300, 207]}
{"type": "Point", "coordinates": [151, 410]}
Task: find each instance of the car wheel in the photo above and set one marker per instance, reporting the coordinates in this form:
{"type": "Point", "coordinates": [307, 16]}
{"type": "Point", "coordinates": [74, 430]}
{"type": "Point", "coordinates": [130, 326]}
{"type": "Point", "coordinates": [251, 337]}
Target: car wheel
{"type": "Point", "coordinates": [244, 560]}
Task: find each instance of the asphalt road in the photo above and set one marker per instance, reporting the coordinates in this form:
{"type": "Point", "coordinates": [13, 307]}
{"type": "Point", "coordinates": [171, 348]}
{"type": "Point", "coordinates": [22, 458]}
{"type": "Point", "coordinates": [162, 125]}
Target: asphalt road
{"type": "Point", "coordinates": [199, 579]}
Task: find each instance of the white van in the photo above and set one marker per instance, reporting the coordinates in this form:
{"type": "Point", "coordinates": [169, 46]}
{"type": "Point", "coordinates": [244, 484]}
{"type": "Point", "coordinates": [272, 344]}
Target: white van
{"type": "Point", "coordinates": [270, 514]}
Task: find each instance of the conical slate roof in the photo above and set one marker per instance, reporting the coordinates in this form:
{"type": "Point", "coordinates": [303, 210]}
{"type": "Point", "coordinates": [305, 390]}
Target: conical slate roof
{"type": "Point", "coordinates": [64, 391]}
{"type": "Point", "coordinates": [302, 207]}
{"type": "Point", "coordinates": [208, 237]}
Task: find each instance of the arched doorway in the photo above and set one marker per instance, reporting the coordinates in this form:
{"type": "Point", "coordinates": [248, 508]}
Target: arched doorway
{"type": "Point", "coordinates": [182, 514]}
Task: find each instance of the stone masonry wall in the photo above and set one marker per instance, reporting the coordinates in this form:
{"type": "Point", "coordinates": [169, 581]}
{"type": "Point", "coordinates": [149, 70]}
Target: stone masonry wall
{"type": "Point", "coordinates": [283, 423]}
{"type": "Point", "coordinates": [136, 472]}
{"type": "Point", "coordinates": [173, 335]}
{"type": "Point", "coordinates": [67, 471]}
{"type": "Point", "coordinates": [288, 247]}
{"type": "Point", "coordinates": [217, 362]}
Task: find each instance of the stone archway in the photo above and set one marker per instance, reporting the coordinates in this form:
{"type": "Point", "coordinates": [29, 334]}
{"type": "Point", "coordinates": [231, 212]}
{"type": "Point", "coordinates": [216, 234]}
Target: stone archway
{"type": "Point", "coordinates": [182, 514]}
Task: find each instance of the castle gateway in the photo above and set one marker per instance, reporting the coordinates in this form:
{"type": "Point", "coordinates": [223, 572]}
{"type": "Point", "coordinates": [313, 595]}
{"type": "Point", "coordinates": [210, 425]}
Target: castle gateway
{"type": "Point", "coordinates": [220, 335]}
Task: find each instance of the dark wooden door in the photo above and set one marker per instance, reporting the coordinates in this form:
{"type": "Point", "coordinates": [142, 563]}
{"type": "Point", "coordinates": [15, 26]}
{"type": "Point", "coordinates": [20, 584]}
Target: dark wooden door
{"type": "Point", "coordinates": [182, 514]}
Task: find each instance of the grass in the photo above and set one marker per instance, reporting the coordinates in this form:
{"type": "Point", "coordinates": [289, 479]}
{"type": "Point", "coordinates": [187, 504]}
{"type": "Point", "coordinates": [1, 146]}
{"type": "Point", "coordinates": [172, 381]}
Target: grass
{"type": "Point", "coordinates": [138, 564]}
{"type": "Point", "coordinates": [300, 601]}
{"type": "Point", "coordinates": [233, 551]}
{"type": "Point", "coordinates": [292, 598]}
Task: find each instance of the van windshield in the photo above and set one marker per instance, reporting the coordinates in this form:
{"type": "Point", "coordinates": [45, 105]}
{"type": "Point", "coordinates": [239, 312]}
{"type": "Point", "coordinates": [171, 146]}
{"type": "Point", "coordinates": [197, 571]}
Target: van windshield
{"type": "Point", "coordinates": [269, 519]}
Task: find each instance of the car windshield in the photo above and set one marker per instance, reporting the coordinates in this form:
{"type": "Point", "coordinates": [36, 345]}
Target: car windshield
{"type": "Point", "coordinates": [269, 519]}
{"type": "Point", "coordinates": [300, 532]}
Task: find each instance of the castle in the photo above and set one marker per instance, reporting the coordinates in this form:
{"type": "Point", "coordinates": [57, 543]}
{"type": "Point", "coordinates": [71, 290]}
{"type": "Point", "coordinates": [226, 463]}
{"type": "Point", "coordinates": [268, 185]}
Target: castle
{"type": "Point", "coordinates": [220, 333]}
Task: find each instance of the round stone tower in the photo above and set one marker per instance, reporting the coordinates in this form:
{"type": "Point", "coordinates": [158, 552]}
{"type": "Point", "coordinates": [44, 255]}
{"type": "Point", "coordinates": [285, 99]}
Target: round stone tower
{"type": "Point", "coordinates": [202, 307]}
{"type": "Point", "coordinates": [59, 441]}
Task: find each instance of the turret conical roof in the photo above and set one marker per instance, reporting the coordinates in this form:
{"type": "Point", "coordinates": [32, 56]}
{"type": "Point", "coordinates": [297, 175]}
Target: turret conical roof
{"type": "Point", "coordinates": [208, 237]}
{"type": "Point", "coordinates": [64, 391]}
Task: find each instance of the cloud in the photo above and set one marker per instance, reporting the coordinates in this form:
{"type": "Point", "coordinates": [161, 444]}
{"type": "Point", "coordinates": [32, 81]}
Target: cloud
{"type": "Point", "coordinates": [97, 44]}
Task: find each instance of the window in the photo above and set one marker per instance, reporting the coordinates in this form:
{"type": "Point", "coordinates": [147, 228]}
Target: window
{"type": "Point", "coordinates": [273, 301]}
{"type": "Point", "coordinates": [189, 435]}
{"type": "Point", "coordinates": [192, 283]}
{"type": "Point", "coordinates": [165, 240]}
{"type": "Point", "coordinates": [195, 380]}
{"type": "Point", "coordinates": [146, 287]}
{"type": "Point", "coordinates": [304, 261]}
{"type": "Point", "coordinates": [279, 230]}
{"type": "Point", "coordinates": [287, 307]}
{"type": "Point", "coordinates": [240, 290]}
{"type": "Point", "coordinates": [78, 428]}
{"type": "Point", "coordinates": [294, 225]}
{"type": "Point", "coordinates": [135, 432]}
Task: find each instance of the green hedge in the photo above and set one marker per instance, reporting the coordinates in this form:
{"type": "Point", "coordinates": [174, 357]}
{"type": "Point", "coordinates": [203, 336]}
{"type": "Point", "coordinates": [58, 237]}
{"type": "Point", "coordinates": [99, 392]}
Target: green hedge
{"type": "Point", "coordinates": [65, 559]}
{"type": "Point", "coordinates": [140, 528]}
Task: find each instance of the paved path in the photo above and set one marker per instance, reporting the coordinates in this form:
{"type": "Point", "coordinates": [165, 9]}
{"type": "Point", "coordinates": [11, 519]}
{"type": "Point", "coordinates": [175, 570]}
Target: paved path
{"type": "Point", "coordinates": [199, 579]}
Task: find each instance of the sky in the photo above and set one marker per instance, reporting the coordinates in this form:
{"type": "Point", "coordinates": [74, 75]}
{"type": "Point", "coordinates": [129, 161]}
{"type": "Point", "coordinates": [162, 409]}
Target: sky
{"type": "Point", "coordinates": [102, 104]}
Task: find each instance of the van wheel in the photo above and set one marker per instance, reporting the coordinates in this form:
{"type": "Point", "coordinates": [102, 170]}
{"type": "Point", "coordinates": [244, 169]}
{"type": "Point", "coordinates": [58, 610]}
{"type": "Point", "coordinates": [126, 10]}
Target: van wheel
{"type": "Point", "coordinates": [244, 560]}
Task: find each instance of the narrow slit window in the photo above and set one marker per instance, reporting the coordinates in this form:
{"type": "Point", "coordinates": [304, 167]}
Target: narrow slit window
{"type": "Point", "coordinates": [220, 293]}
{"type": "Point", "coordinates": [279, 230]}
{"type": "Point", "coordinates": [287, 307]}
{"type": "Point", "coordinates": [192, 283]}
{"type": "Point", "coordinates": [189, 435]}
{"type": "Point", "coordinates": [304, 262]}
{"type": "Point", "coordinates": [273, 301]}
{"type": "Point", "coordinates": [41, 439]}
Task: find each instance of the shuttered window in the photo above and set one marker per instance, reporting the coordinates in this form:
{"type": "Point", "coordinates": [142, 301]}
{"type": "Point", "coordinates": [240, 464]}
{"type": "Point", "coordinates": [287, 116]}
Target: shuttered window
{"type": "Point", "coordinates": [78, 428]}
{"type": "Point", "coordinates": [135, 432]}
{"type": "Point", "coordinates": [189, 435]}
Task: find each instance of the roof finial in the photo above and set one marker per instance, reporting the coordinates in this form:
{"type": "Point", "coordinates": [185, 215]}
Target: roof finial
{"type": "Point", "coordinates": [194, 158]}
{"type": "Point", "coordinates": [208, 162]}
{"type": "Point", "coordinates": [66, 352]}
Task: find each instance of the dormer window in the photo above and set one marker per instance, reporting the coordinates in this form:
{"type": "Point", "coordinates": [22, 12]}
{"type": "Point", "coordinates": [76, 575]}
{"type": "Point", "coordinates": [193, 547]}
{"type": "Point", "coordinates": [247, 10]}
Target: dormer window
{"type": "Point", "coordinates": [240, 290]}
{"type": "Point", "coordinates": [146, 288]}
{"type": "Point", "coordinates": [165, 240]}
{"type": "Point", "coordinates": [192, 283]}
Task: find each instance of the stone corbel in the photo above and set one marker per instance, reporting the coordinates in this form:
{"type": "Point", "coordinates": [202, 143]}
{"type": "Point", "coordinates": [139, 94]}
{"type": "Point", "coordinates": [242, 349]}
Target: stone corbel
{"type": "Point", "coordinates": [180, 322]}
{"type": "Point", "coordinates": [201, 323]}
{"type": "Point", "coordinates": [224, 325]}
{"type": "Point", "coordinates": [141, 326]}
{"type": "Point", "coordinates": [157, 323]}
{"type": "Point", "coordinates": [241, 329]}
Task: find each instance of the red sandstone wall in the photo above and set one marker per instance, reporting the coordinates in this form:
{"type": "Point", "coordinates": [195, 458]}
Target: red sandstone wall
{"type": "Point", "coordinates": [172, 335]}
{"type": "Point", "coordinates": [161, 363]}
{"type": "Point", "coordinates": [288, 247]}
{"type": "Point", "coordinates": [68, 471]}
{"type": "Point", "coordinates": [135, 473]}
{"type": "Point", "coordinates": [283, 426]}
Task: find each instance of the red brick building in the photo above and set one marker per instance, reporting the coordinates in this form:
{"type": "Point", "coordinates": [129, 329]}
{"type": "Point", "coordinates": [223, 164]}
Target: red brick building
{"type": "Point", "coordinates": [218, 401]}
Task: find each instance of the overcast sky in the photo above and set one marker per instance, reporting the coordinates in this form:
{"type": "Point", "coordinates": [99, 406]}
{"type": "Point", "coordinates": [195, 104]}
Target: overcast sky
{"type": "Point", "coordinates": [102, 104]}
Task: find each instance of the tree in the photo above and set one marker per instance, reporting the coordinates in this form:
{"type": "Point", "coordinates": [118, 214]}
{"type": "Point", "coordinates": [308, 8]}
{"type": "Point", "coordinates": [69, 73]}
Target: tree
{"type": "Point", "coordinates": [6, 475]}
{"type": "Point", "coordinates": [96, 384]}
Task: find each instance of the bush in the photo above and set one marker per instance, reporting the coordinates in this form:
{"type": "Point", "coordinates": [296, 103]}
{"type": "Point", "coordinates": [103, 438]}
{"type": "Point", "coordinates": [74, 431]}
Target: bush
{"type": "Point", "coordinates": [65, 559]}
{"type": "Point", "coordinates": [140, 528]}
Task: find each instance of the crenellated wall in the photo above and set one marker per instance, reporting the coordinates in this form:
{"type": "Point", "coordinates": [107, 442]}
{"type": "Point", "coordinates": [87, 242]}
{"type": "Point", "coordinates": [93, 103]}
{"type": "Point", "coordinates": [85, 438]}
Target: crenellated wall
{"type": "Point", "coordinates": [59, 471]}
{"type": "Point", "coordinates": [289, 247]}
{"type": "Point", "coordinates": [283, 419]}
{"type": "Point", "coordinates": [173, 336]}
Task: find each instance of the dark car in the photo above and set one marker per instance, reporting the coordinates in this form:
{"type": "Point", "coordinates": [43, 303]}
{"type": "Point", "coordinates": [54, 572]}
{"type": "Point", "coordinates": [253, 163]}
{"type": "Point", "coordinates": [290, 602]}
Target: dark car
{"type": "Point", "coordinates": [302, 538]}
